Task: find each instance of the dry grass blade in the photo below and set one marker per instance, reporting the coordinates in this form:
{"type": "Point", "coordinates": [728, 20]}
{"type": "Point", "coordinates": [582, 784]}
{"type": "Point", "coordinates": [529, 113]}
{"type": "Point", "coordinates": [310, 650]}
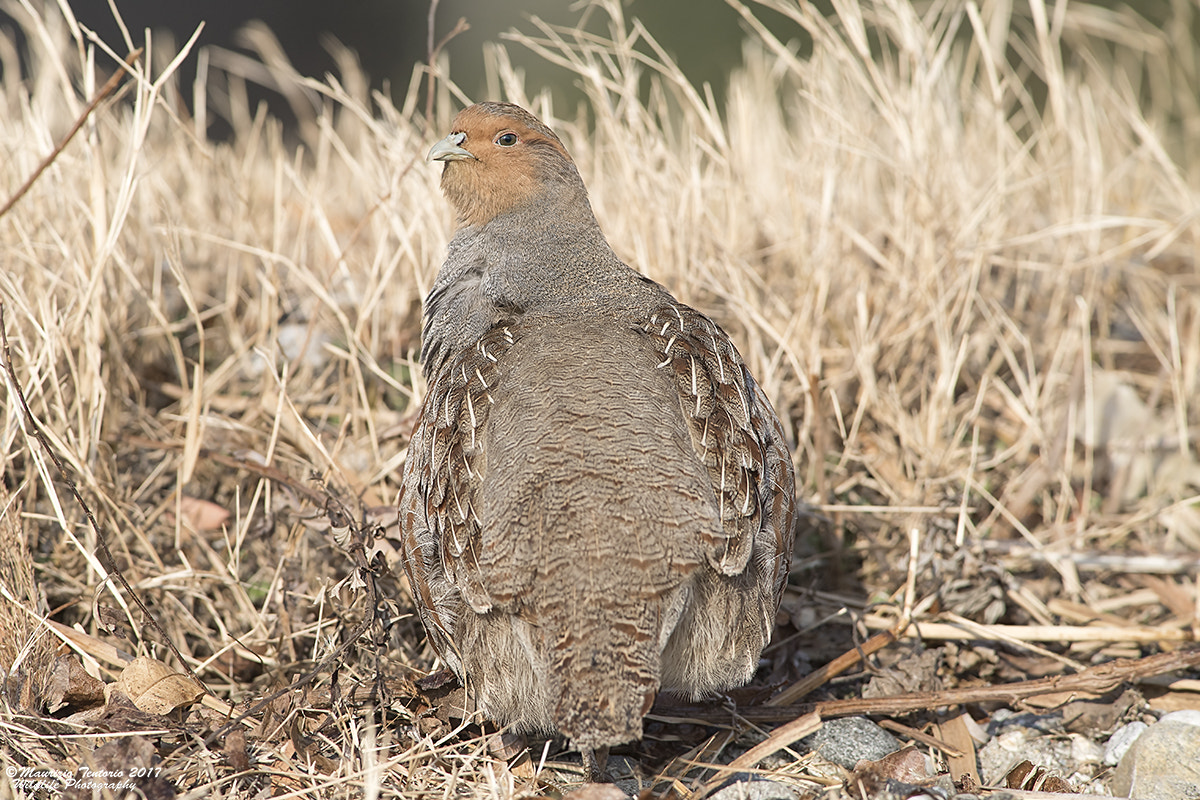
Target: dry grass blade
{"type": "Point", "coordinates": [965, 630]}
{"type": "Point", "coordinates": [110, 563]}
{"type": "Point", "coordinates": [109, 87]}
{"type": "Point", "coordinates": [823, 674]}
{"type": "Point", "coordinates": [956, 243]}
{"type": "Point", "coordinates": [783, 736]}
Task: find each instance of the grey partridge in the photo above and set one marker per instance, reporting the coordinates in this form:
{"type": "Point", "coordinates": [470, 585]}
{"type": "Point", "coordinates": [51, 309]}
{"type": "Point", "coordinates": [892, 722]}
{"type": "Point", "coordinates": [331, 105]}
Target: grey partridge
{"type": "Point", "coordinates": [598, 498]}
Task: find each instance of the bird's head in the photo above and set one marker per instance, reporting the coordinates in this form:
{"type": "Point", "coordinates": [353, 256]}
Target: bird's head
{"type": "Point", "coordinates": [500, 157]}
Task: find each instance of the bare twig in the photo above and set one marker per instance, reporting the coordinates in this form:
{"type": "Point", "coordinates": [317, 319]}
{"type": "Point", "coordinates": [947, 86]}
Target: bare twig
{"type": "Point", "coordinates": [356, 545]}
{"type": "Point", "coordinates": [108, 88]}
{"type": "Point", "coordinates": [261, 470]}
{"type": "Point", "coordinates": [1096, 680]}
{"type": "Point", "coordinates": [918, 736]}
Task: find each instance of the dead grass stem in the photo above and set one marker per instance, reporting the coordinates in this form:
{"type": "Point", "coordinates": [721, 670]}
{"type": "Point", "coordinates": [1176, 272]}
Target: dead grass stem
{"type": "Point", "coordinates": [956, 242]}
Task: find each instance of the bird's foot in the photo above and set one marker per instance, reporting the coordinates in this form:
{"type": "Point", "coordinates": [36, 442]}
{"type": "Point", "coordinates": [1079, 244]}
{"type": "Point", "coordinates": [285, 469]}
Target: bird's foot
{"type": "Point", "coordinates": [595, 764]}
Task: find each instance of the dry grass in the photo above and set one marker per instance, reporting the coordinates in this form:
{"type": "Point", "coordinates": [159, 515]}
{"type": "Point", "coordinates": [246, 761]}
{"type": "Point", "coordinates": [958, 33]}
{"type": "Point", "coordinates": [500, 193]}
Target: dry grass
{"type": "Point", "coordinates": [956, 243]}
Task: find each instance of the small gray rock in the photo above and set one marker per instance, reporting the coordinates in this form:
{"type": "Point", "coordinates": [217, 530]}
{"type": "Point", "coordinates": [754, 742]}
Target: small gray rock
{"type": "Point", "coordinates": [847, 741]}
{"type": "Point", "coordinates": [748, 787]}
{"type": "Point", "coordinates": [1164, 762]}
{"type": "Point", "coordinates": [1005, 720]}
{"type": "Point", "coordinates": [1121, 740]}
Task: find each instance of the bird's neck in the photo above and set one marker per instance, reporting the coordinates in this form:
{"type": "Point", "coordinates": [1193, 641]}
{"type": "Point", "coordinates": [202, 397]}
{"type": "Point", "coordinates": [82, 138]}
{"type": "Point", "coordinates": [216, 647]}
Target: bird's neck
{"type": "Point", "coordinates": [537, 260]}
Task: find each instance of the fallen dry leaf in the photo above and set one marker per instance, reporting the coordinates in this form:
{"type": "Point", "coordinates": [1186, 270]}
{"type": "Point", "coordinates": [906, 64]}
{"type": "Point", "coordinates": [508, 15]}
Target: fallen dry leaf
{"type": "Point", "coordinates": [908, 766]}
{"type": "Point", "coordinates": [70, 685]}
{"type": "Point", "coordinates": [156, 688]}
{"type": "Point", "coordinates": [201, 515]}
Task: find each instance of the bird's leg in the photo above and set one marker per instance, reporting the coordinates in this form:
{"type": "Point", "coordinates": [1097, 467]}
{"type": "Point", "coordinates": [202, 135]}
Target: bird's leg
{"type": "Point", "coordinates": [595, 764]}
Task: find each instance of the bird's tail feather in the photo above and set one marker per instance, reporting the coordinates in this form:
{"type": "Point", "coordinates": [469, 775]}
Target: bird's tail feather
{"type": "Point", "coordinates": [603, 685]}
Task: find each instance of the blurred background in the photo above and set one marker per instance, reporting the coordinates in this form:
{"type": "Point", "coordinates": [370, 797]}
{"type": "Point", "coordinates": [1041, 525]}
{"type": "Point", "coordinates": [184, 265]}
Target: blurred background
{"type": "Point", "coordinates": [391, 36]}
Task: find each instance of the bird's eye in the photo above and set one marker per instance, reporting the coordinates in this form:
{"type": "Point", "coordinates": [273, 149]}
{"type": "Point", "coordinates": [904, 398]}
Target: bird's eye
{"type": "Point", "coordinates": [506, 139]}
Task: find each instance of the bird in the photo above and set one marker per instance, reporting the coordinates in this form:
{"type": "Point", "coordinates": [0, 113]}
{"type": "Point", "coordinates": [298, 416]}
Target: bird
{"type": "Point", "coordinates": [598, 498]}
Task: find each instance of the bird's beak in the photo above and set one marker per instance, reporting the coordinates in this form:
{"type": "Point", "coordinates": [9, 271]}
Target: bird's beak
{"type": "Point", "coordinates": [449, 149]}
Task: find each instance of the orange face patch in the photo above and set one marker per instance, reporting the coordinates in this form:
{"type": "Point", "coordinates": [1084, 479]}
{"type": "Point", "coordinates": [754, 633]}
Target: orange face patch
{"type": "Point", "coordinates": [511, 149]}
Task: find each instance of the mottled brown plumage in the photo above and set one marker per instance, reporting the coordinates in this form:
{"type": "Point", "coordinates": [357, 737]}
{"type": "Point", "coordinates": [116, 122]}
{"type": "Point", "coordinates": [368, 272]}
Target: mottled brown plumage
{"type": "Point", "coordinates": [598, 498]}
